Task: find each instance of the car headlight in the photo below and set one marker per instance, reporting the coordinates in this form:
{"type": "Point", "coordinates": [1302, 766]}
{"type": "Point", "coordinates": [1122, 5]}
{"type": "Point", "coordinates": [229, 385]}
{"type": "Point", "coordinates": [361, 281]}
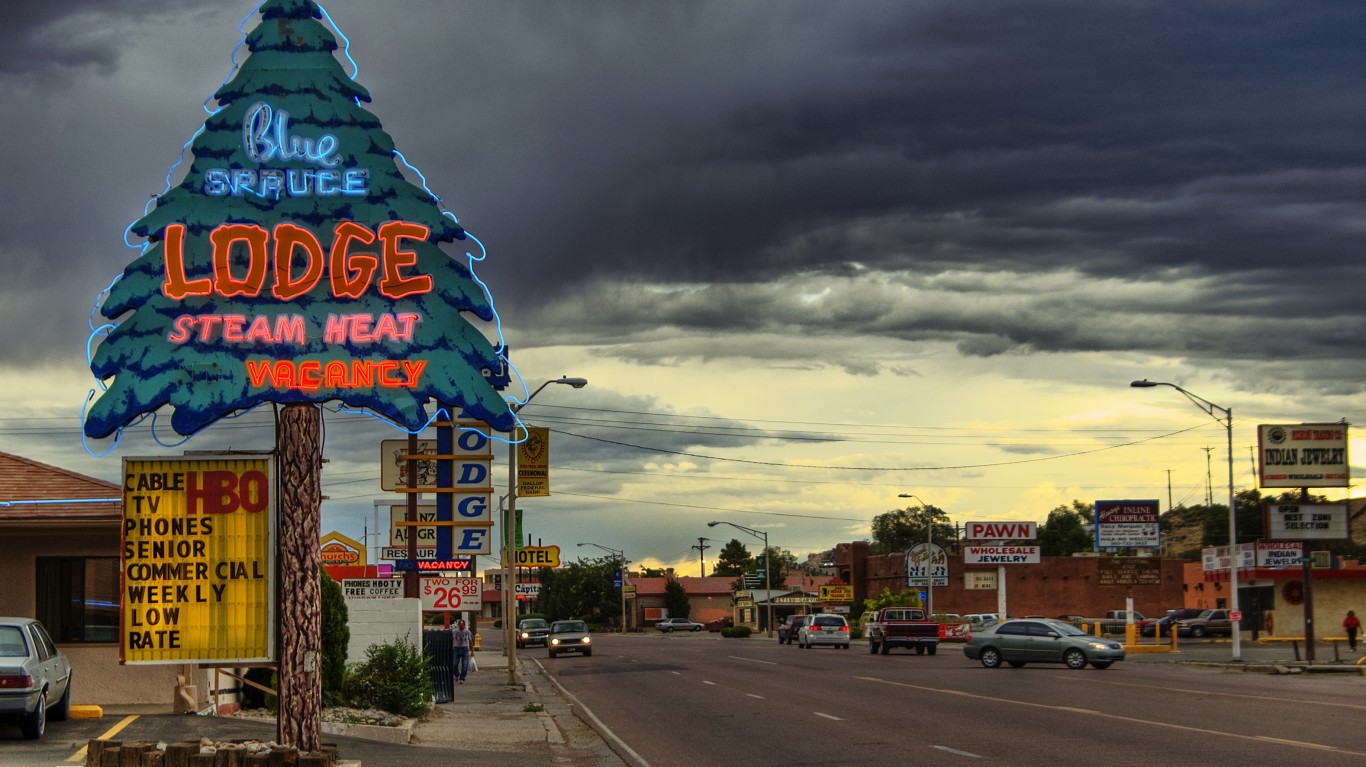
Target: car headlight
{"type": "Point", "coordinates": [587, 640]}
{"type": "Point", "coordinates": [1097, 645]}
{"type": "Point", "coordinates": [555, 641]}
{"type": "Point", "coordinates": [525, 635]}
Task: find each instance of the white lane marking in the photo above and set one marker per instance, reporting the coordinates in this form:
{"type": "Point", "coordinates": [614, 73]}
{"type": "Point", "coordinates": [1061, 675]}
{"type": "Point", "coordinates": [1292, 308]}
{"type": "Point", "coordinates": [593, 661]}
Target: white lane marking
{"type": "Point", "coordinates": [827, 716]}
{"type": "Point", "coordinates": [676, 673]}
{"type": "Point", "coordinates": [752, 695]}
{"type": "Point", "coordinates": [706, 682]}
{"type": "Point", "coordinates": [1116, 717]}
{"type": "Point", "coordinates": [968, 754]}
{"type": "Point", "coordinates": [752, 660]}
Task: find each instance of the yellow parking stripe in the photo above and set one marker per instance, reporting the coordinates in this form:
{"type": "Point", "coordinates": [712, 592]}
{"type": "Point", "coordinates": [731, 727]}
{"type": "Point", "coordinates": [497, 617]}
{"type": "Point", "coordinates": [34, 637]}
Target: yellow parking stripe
{"type": "Point", "coordinates": [79, 756]}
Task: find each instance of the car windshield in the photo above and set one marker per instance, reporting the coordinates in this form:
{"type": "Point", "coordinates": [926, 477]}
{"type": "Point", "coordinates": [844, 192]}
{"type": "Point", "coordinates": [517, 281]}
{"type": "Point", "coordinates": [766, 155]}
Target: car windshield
{"type": "Point", "coordinates": [1206, 614]}
{"type": "Point", "coordinates": [12, 642]}
{"type": "Point", "coordinates": [569, 627]}
{"type": "Point", "coordinates": [825, 621]}
{"type": "Point", "coordinates": [1066, 629]}
{"type": "Point", "coordinates": [533, 623]}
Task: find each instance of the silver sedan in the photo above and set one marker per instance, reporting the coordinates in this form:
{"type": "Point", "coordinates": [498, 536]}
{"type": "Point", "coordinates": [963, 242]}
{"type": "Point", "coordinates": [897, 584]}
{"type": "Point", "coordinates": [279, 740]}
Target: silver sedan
{"type": "Point", "coordinates": [1040, 641]}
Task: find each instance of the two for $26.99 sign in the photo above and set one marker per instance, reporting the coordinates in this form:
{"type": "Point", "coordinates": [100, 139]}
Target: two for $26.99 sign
{"type": "Point", "coordinates": [453, 594]}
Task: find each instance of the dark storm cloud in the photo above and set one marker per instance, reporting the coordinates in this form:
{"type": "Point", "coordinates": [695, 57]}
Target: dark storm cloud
{"type": "Point", "coordinates": [62, 36]}
{"type": "Point", "coordinates": [1175, 178]}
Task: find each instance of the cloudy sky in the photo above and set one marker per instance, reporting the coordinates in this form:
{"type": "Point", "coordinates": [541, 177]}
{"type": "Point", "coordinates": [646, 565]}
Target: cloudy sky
{"type": "Point", "coordinates": [810, 255]}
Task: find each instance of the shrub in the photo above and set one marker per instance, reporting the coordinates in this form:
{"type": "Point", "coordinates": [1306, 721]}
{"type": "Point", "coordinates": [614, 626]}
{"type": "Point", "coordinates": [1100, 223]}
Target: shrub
{"type": "Point", "coordinates": [336, 635]}
{"type": "Point", "coordinates": [736, 632]}
{"type": "Point", "coordinates": [393, 678]}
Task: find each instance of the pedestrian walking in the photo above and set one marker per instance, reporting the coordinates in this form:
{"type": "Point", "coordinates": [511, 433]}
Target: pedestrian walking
{"type": "Point", "coordinates": [1353, 624]}
{"type": "Point", "coordinates": [461, 638]}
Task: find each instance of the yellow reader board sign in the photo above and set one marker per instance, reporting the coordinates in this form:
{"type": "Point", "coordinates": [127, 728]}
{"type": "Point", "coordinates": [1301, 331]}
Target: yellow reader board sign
{"type": "Point", "coordinates": [836, 593]}
{"type": "Point", "coordinates": [198, 560]}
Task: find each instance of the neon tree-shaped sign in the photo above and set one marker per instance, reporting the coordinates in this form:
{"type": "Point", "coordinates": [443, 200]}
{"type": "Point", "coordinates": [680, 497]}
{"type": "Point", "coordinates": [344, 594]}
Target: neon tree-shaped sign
{"type": "Point", "coordinates": [295, 262]}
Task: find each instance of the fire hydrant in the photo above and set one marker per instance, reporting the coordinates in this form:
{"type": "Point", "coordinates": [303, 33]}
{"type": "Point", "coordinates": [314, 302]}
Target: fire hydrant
{"type": "Point", "coordinates": [475, 646]}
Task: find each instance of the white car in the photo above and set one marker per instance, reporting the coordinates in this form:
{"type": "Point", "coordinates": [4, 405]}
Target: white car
{"type": "Point", "coordinates": [825, 628]}
{"type": "Point", "coordinates": [35, 677]}
{"type": "Point", "coordinates": [678, 624]}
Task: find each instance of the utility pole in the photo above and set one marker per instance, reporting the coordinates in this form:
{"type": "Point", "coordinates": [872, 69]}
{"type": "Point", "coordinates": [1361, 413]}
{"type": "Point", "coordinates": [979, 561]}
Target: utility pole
{"type": "Point", "coordinates": [701, 556]}
{"type": "Point", "coordinates": [1209, 479]}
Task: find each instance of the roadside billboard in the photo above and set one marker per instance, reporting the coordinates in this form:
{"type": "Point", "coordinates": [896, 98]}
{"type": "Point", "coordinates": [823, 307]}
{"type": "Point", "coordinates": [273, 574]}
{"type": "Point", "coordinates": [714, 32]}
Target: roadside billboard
{"type": "Point", "coordinates": [1306, 522]}
{"type": "Point", "coordinates": [1127, 525]}
{"type": "Point", "coordinates": [198, 560]}
{"type": "Point", "coordinates": [1001, 555]}
{"type": "Point", "coordinates": [1303, 455]}
{"type": "Point", "coordinates": [452, 594]}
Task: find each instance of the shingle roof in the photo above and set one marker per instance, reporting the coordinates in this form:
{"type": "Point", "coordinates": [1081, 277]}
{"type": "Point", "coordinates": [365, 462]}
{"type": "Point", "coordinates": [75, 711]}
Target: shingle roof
{"type": "Point", "coordinates": [36, 492]}
{"type": "Point", "coordinates": [691, 586]}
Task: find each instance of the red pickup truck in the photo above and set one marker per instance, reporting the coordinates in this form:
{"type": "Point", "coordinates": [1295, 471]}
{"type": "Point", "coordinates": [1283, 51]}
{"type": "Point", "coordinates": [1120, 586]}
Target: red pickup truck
{"type": "Point", "coordinates": [902, 627]}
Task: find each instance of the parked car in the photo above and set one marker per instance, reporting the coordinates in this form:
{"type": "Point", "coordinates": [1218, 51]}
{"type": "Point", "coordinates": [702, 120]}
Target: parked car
{"type": "Point", "coordinates": [1207, 623]}
{"type": "Point", "coordinates": [978, 620]}
{"type": "Point", "coordinates": [825, 628]}
{"type": "Point", "coordinates": [719, 624]}
{"type": "Point", "coordinates": [1018, 642]}
{"type": "Point", "coordinates": [570, 636]}
{"type": "Point", "coordinates": [35, 677]}
{"type": "Point", "coordinates": [678, 624]}
{"type": "Point", "coordinates": [533, 632]}
{"type": "Point", "coordinates": [787, 633]}
{"type": "Point", "coordinates": [1163, 626]}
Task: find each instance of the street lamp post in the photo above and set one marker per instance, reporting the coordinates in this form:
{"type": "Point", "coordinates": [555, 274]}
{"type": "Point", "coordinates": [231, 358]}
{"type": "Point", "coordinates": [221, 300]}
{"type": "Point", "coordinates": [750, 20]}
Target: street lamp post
{"type": "Point", "coordinates": [621, 555]}
{"type": "Point", "coordinates": [768, 567]}
{"type": "Point", "coordinates": [929, 552]}
{"type": "Point", "coordinates": [1214, 412]}
{"type": "Point", "coordinates": [510, 535]}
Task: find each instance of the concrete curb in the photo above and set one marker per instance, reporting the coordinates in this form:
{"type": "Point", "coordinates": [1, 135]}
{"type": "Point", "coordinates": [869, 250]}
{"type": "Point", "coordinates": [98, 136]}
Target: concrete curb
{"type": "Point", "coordinates": [618, 746]}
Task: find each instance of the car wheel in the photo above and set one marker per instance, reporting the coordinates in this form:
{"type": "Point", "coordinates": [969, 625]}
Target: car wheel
{"type": "Point", "coordinates": [587, 653]}
{"type": "Point", "coordinates": [1016, 663]}
{"type": "Point", "coordinates": [1100, 664]}
{"type": "Point", "coordinates": [1198, 631]}
{"type": "Point", "coordinates": [872, 648]}
{"type": "Point", "coordinates": [844, 647]}
{"type": "Point", "coordinates": [991, 657]}
{"type": "Point", "coordinates": [934, 648]}
{"type": "Point", "coordinates": [884, 648]}
{"type": "Point", "coordinates": [62, 711]}
{"type": "Point", "coordinates": [34, 723]}
{"type": "Point", "coordinates": [1074, 659]}
{"type": "Point", "coordinates": [920, 649]}
{"type": "Point", "coordinates": [696, 628]}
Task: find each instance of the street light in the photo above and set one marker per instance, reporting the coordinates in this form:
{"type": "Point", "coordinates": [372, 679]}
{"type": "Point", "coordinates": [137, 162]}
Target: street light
{"type": "Point", "coordinates": [1214, 410]}
{"type": "Point", "coordinates": [929, 552]}
{"type": "Point", "coordinates": [768, 567]}
{"type": "Point", "coordinates": [510, 534]}
{"type": "Point", "coordinates": [619, 554]}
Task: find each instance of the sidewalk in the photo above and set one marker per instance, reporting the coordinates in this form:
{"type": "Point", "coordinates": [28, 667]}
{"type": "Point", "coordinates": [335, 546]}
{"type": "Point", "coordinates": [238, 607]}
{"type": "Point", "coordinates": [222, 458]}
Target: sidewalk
{"type": "Point", "coordinates": [532, 718]}
{"type": "Point", "coordinates": [1259, 657]}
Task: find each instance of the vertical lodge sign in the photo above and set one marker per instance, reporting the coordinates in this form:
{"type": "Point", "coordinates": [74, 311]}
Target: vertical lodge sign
{"type": "Point", "coordinates": [295, 263]}
{"type": "Point", "coordinates": [198, 560]}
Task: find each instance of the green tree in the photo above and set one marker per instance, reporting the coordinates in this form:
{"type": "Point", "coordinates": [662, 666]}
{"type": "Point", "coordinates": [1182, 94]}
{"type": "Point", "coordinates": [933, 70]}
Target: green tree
{"type": "Point", "coordinates": [336, 635]}
{"type": "Point", "coordinates": [734, 559]}
{"type": "Point", "coordinates": [676, 599]}
{"type": "Point", "coordinates": [898, 530]}
{"type": "Point", "coordinates": [1065, 534]}
{"type": "Point", "coordinates": [780, 562]}
{"type": "Point", "coordinates": [584, 589]}
{"type": "Point", "coordinates": [889, 598]}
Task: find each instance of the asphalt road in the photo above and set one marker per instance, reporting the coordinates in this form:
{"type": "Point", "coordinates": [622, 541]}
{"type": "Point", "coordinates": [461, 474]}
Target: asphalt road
{"type": "Point", "coordinates": [689, 699]}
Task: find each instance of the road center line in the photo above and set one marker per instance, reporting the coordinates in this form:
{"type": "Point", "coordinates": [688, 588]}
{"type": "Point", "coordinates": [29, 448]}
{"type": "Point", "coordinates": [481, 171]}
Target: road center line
{"type": "Point", "coordinates": [827, 716]}
{"type": "Point", "coordinates": [706, 682]}
{"type": "Point", "coordinates": [752, 660]}
{"type": "Point", "coordinates": [968, 754]}
{"type": "Point", "coordinates": [1116, 717]}
{"type": "Point", "coordinates": [752, 695]}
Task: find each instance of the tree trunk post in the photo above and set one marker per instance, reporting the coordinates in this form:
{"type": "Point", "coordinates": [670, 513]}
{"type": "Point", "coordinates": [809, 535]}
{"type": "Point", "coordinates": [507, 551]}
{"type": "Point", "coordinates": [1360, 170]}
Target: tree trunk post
{"type": "Point", "coordinates": [299, 451]}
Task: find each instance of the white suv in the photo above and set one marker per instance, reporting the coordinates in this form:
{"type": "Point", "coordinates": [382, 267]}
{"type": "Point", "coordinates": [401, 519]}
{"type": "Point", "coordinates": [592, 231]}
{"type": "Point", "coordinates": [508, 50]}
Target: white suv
{"type": "Point", "coordinates": [824, 628]}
